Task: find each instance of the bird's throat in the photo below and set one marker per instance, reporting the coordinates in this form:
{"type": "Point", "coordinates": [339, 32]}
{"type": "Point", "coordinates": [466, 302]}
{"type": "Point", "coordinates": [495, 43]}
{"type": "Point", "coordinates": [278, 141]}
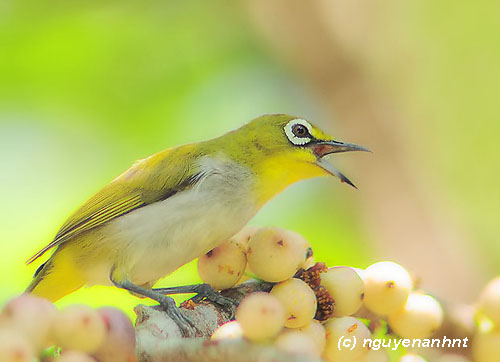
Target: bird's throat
{"type": "Point", "coordinates": [277, 173]}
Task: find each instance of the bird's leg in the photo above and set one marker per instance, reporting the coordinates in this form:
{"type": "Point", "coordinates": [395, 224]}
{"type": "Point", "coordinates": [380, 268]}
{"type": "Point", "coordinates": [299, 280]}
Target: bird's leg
{"type": "Point", "coordinates": [183, 322]}
{"type": "Point", "coordinates": [202, 291]}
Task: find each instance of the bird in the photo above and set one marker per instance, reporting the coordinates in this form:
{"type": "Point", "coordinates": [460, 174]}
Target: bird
{"type": "Point", "coordinates": [175, 205]}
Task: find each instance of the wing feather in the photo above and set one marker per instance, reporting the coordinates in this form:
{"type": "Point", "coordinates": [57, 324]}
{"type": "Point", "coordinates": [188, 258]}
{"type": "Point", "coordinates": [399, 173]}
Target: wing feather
{"type": "Point", "coordinates": [150, 180]}
{"type": "Point", "coordinates": [110, 212]}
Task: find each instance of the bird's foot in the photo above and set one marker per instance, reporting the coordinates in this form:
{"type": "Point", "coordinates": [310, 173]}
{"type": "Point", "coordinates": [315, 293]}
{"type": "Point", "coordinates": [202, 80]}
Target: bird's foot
{"type": "Point", "coordinates": [205, 291]}
{"type": "Point", "coordinates": [186, 326]}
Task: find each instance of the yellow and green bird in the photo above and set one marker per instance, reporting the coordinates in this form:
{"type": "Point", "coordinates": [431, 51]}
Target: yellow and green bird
{"type": "Point", "coordinates": [173, 206]}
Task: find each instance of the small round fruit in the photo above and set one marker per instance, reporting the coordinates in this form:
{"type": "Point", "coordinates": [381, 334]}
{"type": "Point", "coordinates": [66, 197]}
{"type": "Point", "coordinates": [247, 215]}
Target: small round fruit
{"type": "Point", "coordinates": [296, 343]}
{"type": "Point", "coordinates": [243, 237]}
{"type": "Point", "coordinates": [379, 355]}
{"type": "Point", "coordinates": [419, 318]}
{"type": "Point", "coordinates": [261, 316]}
{"type": "Point", "coordinates": [387, 286]}
{"type": "Point", "coordinates": [340, 332]}
{"type": "Point", "coordinates": [77, 356]}
{"type": "Point", "coordinates": [119, 341]}
{"type": "Point", "coordinates": [299, 302]}
{"type": "Point", "coordinates": [411, 357]}
{"type": "Point", "coordinates": [486, 347]}
{"type": "Point", "coordinates": [15, 347]}
{"type": "Point", "coordinates": [275, 254]}
{"type": "Point", "coordinates": [316, 332]}
{"type": "Point", "coordinates": [489, 301]}
{"type": "Point", "coordinates": [223, 266]}
{"type": "Point", "coordinates": [32, 316]}
{"type": "Point", "coordinates": [361, 272]}
{"type": "Point", "coordinates": [229, 330]}
{"type": "Point", "coordinates": [80, 328]}
{"type": "Point", "coordinates": [346, 288]}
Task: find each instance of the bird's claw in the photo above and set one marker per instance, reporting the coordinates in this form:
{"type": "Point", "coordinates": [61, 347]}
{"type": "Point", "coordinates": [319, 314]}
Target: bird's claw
{"type": "Point", "coordinates": [186, 326]}
{"type": "Point", "coordinates": [205, 291]}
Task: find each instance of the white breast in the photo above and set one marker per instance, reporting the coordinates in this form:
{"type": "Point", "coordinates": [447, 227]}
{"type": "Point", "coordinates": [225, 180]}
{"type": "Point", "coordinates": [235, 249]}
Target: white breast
{"type": "Point", "coordinates": [155, 240]}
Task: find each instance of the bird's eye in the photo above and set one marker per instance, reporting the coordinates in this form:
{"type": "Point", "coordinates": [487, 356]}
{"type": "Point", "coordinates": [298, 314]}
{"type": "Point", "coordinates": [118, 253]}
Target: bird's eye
{"type": "Point", "coordinates": [300, 130]}
{"type": "Point", "coordinates": [297, 131]}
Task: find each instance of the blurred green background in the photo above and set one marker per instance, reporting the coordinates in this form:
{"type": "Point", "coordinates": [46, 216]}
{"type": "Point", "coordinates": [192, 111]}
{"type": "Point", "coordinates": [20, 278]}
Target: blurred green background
{"type": "Point", "coordinates": [88, 87]}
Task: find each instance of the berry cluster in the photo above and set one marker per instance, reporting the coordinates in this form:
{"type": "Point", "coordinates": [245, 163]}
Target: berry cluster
{"type": "Point", "coordinates": [32, 327]}
{"type": "Point", "coordinates": [312, 307]}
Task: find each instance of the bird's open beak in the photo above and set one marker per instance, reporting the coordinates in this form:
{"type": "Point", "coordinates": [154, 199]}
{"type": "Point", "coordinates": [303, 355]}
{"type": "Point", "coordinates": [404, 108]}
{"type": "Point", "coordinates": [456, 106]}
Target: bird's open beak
{"type": "Point", "coordinates": [323, 148]}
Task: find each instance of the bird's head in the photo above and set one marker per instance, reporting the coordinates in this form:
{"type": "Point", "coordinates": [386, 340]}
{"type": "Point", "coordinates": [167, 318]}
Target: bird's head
{"type": "Point", "coordinates": [291, 148]}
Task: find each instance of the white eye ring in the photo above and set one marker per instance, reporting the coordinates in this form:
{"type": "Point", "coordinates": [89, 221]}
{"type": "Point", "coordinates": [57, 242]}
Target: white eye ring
{"type": "Point", "coordinates": [298, 141]}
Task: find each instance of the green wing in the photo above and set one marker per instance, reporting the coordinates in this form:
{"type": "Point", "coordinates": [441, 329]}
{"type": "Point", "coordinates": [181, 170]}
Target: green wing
{"type": "Point", "coordinates": [149, 180]}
